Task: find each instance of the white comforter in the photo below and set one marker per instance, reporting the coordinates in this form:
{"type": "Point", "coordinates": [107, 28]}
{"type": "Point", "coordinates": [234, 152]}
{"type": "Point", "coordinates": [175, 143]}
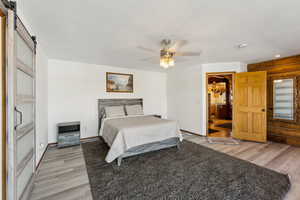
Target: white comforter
{"type": "Point", "coordinates": [124, 133]}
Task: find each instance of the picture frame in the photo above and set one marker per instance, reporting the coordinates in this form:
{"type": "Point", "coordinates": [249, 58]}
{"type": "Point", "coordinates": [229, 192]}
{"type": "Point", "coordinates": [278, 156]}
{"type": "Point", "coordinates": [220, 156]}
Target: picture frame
{"type": "Point", "coordinates": [119, 82]}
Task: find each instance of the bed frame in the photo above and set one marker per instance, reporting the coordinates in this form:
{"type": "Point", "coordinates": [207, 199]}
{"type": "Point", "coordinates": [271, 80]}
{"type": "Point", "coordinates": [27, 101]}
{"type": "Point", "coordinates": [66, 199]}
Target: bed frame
{"type": "Point", "coordinates": [102, 103]}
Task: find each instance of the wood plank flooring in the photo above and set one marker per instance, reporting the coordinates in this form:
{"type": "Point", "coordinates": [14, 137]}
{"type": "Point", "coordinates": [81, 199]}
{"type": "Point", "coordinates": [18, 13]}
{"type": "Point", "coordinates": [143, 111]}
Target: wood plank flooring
{"type": "Point", "coordinates": [222, 132]}
{"type": "Point", "coordinates": [62, 174]}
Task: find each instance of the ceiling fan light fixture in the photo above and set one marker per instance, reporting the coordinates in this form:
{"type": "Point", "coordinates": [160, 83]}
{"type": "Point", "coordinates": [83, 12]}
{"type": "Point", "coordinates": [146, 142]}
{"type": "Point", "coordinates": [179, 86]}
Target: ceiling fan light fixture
{"type": "Point", "coordinates": [164, 65]}
{"type": "Point", "coordinates": [171, 62]}
{"type": "Point", "coordinates": [169, 49]}
{"type": "Point", "coordinates": [167, 62]}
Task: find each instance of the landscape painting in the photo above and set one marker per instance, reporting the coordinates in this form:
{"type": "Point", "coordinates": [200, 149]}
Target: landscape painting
{"type": "Point", "coordinates": [116, 82]}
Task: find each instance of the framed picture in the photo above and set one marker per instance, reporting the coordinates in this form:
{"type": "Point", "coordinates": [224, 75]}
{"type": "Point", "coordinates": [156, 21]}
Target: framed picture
{"type": "Point", "coordinates": [116, 82]}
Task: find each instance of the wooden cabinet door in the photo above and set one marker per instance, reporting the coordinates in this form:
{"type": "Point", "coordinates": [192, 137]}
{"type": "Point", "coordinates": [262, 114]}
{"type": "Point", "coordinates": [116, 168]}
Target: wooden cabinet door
{"type": "Point", "coordinates": [250, 104]}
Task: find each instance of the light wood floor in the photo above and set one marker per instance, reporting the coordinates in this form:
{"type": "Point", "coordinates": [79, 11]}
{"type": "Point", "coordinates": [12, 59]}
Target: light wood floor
{"type": "Point", "coordinates": [222, 132]}
{"type": "Point", "coordinates": [62, 174]}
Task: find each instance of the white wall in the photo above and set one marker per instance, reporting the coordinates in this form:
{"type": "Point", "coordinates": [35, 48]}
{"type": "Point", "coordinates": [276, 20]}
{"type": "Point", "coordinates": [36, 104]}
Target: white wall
{"type": "Point", "coordinates": [184, 97]}
{"type": "Point", "coordinates": [187, 93]}
{"type": "Point", "coordinates": [41, 102]}
{"type": "Point", "coordinates": [41, 85]}
{"type": "Point", "coordinates": [75, 87]}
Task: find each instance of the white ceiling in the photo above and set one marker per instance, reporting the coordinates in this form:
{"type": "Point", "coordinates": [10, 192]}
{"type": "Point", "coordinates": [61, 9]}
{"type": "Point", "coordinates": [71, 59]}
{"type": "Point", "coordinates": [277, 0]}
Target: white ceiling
{"type": "Point", "coordinates": [108, 32]}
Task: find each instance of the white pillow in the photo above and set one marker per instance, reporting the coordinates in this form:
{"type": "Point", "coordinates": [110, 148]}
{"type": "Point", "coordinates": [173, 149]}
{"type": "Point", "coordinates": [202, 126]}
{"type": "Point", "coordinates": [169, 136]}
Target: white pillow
{"type": "Point", "coordinates": [114, 111]}
{"type": "Point", "coordinates": [134, 110]}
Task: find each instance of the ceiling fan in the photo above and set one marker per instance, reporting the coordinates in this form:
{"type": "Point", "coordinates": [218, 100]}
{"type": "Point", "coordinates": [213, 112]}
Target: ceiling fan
{"type": "Point", "coordinates": [169, 49]}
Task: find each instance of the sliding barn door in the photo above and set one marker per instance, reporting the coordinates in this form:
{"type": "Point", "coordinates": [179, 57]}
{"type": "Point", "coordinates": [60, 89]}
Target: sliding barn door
{"type": "Point", "coordinates": [250, 104]}
{"type": "Point", "coordinates": [21, 108]}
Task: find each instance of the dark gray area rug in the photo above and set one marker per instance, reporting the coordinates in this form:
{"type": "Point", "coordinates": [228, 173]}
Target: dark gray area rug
{"type": "Point", "coordinates": [193, 172]}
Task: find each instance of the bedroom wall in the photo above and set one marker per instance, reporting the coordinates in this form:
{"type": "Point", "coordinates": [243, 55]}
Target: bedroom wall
{"type": "Point", "coordinates": [187, 93]}
{"type": "Point", "coordinates": [184, 97]}
{"type": "Point", "coordinates": [75, 87]}
{"type": "Point", "coordinates": [41, 102]}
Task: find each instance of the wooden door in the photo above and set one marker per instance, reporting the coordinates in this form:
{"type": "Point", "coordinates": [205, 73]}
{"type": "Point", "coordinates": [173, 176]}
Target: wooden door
{"type": "Point", "coordinates": [282, 128]}
{"type": "Point", "coordinates": [20, 109]}
{"type": "Point", "coordinates": [2, 107]}
{"type": "Point", "coordinates": [250, 103]}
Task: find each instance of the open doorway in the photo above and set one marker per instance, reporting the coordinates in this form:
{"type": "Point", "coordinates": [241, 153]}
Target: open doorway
{"type": "Point", "coordinates": [220, 104]}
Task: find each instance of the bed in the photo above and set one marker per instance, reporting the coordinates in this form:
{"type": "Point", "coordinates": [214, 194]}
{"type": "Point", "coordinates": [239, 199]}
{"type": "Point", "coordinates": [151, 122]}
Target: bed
{"type": "Point", "coordinates": [132, 135]}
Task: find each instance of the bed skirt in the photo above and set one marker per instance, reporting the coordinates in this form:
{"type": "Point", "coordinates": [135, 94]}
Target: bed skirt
{"type": "Point", "coordinates": [171, 142]}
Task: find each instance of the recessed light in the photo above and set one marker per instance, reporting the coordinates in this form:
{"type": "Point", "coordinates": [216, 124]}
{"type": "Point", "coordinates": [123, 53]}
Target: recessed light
{"type": "Point", "coordinates": [243, 45]}
{"type": "Point", "coordinates": [277, 56]}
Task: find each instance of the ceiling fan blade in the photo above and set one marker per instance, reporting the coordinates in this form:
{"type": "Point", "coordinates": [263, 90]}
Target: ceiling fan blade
{"type": "Point", "coordinates": [187, 53]}
{"type": "Point", "coordinates": [150, 58]}
{"type": "Point", "coordinates": [147, 49]}
{"type": "Point", "coordinates": [177, 45]}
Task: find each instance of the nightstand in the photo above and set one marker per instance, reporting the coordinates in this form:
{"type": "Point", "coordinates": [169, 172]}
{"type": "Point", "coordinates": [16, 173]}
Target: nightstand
{"type": "Point", "coordinates": [68, 134]}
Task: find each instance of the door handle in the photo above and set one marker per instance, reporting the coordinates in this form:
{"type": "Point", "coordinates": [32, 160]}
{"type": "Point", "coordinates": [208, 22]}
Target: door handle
{"type": "Point", "coordinates": [263, 110]}
{"type": "Point", "coordinates": [21, 118]}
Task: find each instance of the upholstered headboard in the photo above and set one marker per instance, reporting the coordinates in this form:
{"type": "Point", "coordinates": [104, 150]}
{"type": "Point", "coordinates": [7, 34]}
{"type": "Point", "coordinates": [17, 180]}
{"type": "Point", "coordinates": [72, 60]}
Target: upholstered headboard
{"type": "Point", "coordinates": [102, 103]}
